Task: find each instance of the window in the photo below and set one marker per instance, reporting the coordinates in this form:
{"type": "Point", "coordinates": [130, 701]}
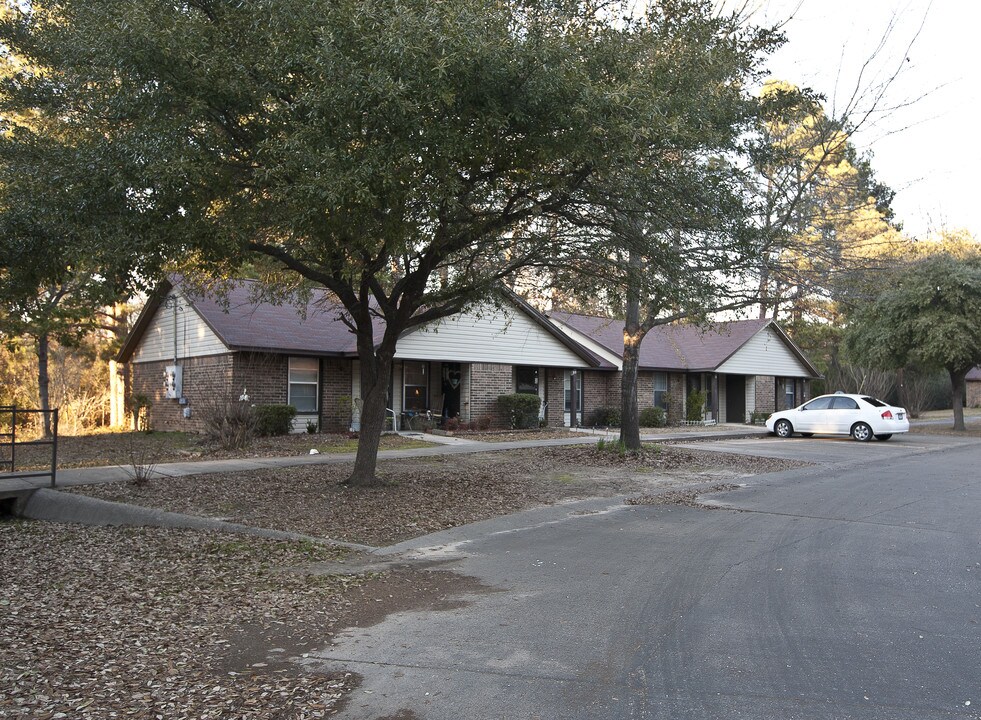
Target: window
{"type": "Point", "coordinates": [415, 386]}
{"type": "Point", "coordinates": [567, 392]}
{"type": "Point", "coordinates": [526, 380]}
{"type": "Point", "coordinates": [821, 403]}
{"type": "Point", "coordinates": [661, 390]}
{"type": "Point", "coordinates": [304, 377]}
{"type": "Point", "coordinates": [844, 403]}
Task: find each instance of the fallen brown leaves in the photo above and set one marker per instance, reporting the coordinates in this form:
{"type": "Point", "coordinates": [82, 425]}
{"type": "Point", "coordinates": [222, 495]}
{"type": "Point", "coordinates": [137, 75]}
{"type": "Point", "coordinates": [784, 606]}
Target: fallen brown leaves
{"type": "Point", "coordinates": [425, 495]}
{"type": "Point", "coordinates": [140, 623]}
{"type": "Point", "coordinates": [119, 448]}
{"type": "Point", "coordinates": [688, 497]}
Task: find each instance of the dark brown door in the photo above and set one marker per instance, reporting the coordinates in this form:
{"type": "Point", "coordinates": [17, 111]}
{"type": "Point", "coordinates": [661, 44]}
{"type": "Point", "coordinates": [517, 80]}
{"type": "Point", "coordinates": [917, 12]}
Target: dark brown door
{"type": "Point", "coordinates": [735, 398]}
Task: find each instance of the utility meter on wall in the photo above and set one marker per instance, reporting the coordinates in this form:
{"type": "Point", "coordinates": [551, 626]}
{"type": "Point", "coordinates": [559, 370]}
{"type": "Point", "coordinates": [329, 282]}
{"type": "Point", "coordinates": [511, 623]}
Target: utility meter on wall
{"type": "Point", "coordinates": [172, 382]}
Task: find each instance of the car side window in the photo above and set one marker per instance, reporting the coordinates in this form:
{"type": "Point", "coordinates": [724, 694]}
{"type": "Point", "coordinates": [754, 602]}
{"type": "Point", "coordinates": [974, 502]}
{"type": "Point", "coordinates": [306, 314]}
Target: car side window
{"type": "Point", "coordinates": [821, 403]}
{"type": "Point", "coordinates": [844, 403]}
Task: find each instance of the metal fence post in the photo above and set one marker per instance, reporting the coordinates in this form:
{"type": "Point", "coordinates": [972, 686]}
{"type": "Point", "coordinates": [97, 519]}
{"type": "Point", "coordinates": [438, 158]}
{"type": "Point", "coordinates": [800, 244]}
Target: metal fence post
{"type": "Point", "coordinates": [13, 438]}
{"type": "Point", "coordinates": [54, 447]}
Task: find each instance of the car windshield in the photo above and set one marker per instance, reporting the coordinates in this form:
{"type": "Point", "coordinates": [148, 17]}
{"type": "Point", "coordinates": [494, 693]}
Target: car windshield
{"type": "Point", "coordinates": [873, 402]}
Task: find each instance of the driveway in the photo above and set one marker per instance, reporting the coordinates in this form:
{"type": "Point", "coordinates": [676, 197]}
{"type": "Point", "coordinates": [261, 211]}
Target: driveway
{"type": "Point", "coordinates": [835, 450]}
{"type": "Point", "coordinates": [845, 590]}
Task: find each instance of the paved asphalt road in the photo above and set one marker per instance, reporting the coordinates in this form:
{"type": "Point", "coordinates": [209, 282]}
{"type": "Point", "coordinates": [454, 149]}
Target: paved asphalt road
{"type": "Point", "coordinates": [851, 589]}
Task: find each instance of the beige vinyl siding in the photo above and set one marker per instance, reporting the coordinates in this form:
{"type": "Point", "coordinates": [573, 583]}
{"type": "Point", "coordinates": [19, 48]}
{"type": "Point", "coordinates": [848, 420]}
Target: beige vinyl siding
{"type": "Point", "coordinates": [194, 337]}
{"type": "Point", "coordinates": [764, 354]}
{"type": "Point", "coordinates": [488, 336]}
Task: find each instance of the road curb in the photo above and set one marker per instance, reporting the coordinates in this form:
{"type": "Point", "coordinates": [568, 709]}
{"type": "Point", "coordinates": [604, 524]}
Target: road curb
{"type": "Point", "coordinates": [55, 506]}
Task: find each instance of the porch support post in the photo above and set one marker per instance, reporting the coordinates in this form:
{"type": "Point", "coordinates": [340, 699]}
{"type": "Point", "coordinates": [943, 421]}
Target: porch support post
{"type": "Point", "coordinates": [573, 377]}
{"type": "Point", "coordinates": [715, 397]}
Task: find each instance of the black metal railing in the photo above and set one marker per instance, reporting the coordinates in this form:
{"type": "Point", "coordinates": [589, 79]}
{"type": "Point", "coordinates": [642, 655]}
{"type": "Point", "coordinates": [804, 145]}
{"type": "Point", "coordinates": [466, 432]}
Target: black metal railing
{"type": "Point", "coordinates": [9, 443]}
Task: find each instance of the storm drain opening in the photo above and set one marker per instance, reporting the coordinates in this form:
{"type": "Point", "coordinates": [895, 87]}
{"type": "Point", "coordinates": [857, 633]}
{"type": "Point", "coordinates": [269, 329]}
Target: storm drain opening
{"type": "Point", "coordinates": [8, 508]}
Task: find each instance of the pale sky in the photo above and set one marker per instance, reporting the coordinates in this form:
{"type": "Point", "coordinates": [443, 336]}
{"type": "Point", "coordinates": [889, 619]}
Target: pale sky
{"type": "Point", "coordinates": [929, 152]}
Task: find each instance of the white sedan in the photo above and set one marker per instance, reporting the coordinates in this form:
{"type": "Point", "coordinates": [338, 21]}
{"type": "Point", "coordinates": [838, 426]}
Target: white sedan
{"type": "Point", "coordinates": [860, 416]}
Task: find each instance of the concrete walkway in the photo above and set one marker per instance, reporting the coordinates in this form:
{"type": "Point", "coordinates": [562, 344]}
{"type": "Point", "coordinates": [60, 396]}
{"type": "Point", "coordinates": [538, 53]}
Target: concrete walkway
{"type": "Point", "coordinates": [446, 446]}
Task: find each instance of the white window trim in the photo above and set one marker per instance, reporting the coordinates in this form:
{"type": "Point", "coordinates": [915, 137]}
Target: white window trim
{"type": "Point", "coordinates": [290, 383]}
{"type": "Point", "coordinates": [427, 386]}
{"type": "Point", "coordinates": [667, 385]}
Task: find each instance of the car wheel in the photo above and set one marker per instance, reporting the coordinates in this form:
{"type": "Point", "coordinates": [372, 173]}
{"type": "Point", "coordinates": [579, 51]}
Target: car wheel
{"type": "Point", "coordinates": [883, 437]}
{"type": "Point", "coordinates": [783, 428]}
{"type": "Point", "coordinates": [861, 432]}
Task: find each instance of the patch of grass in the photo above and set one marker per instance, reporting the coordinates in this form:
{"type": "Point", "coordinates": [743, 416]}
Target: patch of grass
{"type": "Point", "coordinates": [387, 443]}
{"type": "Point", "coordinates": [343, 447]}
{"type": "Point", "coordinates": [229, 547]}
{"type": "Point", "coordinates": [413, 445]}
{"type": "Point", "coordinates": [615, 447]}
{"type": "Point", "coordinates": [564, 478]}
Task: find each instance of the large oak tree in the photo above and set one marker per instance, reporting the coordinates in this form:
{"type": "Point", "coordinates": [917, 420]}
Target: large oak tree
{"type": "Point", "coordinates": [405, 155]}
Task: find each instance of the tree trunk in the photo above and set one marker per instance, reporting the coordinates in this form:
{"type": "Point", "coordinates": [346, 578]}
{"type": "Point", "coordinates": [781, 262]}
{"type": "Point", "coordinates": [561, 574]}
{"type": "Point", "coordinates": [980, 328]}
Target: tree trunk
{"type": "Point", "coordinates": [375, 372]}
{"type": "Point", "coordinates": [957, 382]}
{"type": "Point", "coordinates": [763, 288]}
{"type": "Point", "coordinates": [42, 349]}
{"type": "Point", "coordinates": [632, 337]}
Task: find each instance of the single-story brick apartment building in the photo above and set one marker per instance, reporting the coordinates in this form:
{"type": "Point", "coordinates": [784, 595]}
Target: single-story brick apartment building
{"type": "Point", "coordinates": [188, 352]}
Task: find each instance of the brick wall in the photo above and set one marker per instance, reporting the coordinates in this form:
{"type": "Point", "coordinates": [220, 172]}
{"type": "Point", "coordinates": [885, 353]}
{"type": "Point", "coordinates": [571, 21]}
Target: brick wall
{"type": "Point", "coordinates": [973, 393]}
{"type": "Point", "coordinates": [209, 381]}
{"type": "Point", "coordinates": [555, 397]}
{"type": "Point", "coordinates": [599, 390]}
{"type": "Point", "coordinates": [804, 392]}
{"type": "Point", "coordinates": [765, 393]}
{"type": "Point", "coordinates": [264, 377]}
{"type": "Point", "coordinates": [487, 381]}
{"type": "Point", "coordinates": [335, 394]}
{"type": "Point", "coordinates": [676, 398]}
{"type": "Point", "coordinates": [466, 372]}
{"type": "Point", "coordinates": [645, 390]}
{"type": "Point", "coordinates": [205, 381]}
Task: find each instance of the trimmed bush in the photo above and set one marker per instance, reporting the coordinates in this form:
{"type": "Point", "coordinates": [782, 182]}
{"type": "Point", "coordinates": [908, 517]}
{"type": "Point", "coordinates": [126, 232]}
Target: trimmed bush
{"type": "Point", "coordinates": [274, 419]}
{"type": "Point", "coordinates": [230, 424]}
{"type": "Point", "coordinates": [653, 417]}
{"type": "Point", "coordinates": [520, 410]}
{"type": "Point", "coordinates": [604, 417]}
{"type": "Point", "coordinates": [695, 411]}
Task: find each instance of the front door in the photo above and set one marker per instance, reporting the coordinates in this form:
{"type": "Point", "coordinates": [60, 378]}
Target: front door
{"type": "Point", "coordinates": [451, 389]}
{"type": "Point", "coordinates": [735, 398]}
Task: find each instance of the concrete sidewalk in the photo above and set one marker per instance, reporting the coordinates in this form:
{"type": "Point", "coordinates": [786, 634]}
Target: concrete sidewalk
{"type": "Point", "coordinates": [448, 446]}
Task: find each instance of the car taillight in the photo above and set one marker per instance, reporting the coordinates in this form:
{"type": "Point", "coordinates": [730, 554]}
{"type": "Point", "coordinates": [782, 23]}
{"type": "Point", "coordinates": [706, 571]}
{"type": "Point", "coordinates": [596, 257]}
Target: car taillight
{"type": "Point", "coordinates": [887, 415]}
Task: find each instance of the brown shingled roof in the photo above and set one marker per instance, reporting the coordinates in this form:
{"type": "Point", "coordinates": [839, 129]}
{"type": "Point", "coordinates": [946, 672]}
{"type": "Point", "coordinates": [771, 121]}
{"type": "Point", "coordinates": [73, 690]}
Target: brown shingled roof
{"type": "Point", "coordinates": [248, 325]}
{"type": "Point", "coordinates": [242, 323]}
{"type": "Point", "coordinates": [672, 347]}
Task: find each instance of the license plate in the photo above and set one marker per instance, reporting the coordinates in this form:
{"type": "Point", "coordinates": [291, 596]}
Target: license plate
{"type": "Point", "coordinates": [900, 415]}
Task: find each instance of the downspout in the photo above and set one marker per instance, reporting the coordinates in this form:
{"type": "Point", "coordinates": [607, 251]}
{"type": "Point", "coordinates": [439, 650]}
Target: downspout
{"type": "Point", "coordinates": [175, 328]}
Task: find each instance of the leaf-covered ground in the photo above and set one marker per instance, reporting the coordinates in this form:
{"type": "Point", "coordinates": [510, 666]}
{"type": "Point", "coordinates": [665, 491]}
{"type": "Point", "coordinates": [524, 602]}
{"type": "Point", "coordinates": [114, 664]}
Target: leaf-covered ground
{"type": "Point", "coordinates": [147, 623]}
{"type": "Point", "coordinates": [123, 448]}
{"type": "Point", "coordinates": [425, 495]}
